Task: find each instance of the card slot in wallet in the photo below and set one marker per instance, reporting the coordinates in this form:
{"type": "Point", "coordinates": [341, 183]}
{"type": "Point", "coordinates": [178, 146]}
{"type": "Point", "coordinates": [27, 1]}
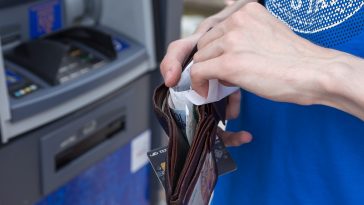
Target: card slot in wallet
{"type": "Point", "coordinates": [201, 186]}
{"type": "Point", "coordinates": [179, 150]}
{"type": "Point", "coordinates": [159, 97]}
{"type": "Point", "coordinates": [193, 156]}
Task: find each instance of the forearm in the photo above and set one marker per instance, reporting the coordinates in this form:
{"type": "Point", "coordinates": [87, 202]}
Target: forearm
{"type": "Point", "coordinates": [343, 84]}
{"type": "Point", "coordinates": [222, 15]}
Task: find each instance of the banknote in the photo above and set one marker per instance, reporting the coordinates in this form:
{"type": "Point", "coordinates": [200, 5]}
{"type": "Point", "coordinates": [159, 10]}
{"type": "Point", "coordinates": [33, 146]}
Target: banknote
{"type": "Point", "coordinates": [184, 83]}
{"type": "Point", "coordinates": [184, 113]}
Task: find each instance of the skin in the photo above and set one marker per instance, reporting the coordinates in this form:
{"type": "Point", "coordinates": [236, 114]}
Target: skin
{"type": "Point", "coordinates": [250, 48]}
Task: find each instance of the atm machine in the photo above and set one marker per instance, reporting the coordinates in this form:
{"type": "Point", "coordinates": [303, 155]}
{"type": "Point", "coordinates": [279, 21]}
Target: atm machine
{"type": "Point", "coordinates": [76, 78]}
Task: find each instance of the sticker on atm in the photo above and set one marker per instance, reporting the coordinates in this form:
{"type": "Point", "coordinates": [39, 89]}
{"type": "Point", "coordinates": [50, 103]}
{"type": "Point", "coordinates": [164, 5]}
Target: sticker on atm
{"type": "Point", "coordinates": [44, 18]}
{"type": "Point", "coordinates": [12, 77]}
{"type": "Point", "coordinates": [119, 44]}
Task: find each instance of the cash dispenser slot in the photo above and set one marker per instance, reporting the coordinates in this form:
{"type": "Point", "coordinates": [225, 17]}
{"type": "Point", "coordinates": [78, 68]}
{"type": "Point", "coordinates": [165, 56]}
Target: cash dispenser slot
{"type": "Point", "coordinates": [94, 133]}
{"type": "Point", "coordinates": [105, 133]}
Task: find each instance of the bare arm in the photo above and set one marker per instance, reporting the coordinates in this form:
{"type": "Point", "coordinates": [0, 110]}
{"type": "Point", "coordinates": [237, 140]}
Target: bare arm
{"type": "Point", "coordinates": [343, 84]}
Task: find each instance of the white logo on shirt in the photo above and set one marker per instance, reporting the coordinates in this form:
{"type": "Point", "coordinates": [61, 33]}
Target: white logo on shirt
{"type": "Point", "coordinates": [311, 16]}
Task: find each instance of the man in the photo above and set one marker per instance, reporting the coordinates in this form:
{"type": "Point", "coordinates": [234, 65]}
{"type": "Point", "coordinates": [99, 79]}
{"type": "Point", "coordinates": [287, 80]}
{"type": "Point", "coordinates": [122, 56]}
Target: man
{"type": "Point", "coordinates": [300, 64]}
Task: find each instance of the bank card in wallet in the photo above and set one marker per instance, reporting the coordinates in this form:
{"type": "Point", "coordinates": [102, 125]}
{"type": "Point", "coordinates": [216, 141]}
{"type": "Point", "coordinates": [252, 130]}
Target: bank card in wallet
{"type": "Point", "coordinates": [189, 166]}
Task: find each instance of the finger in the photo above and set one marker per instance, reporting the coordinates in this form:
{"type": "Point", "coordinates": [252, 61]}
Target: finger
{"type": "Point", "coordinates": [211, 50]}
{"type": "Point", "coordinates": [177, 51]}
{"type": "Point", "coordinates": [213, 34]}
{"type": "Point", "coordinates": [233, 107]}
{"type": "Point", "coordinates": [234, 138]}
{"type": "Point", "coordinates": [202, 72]}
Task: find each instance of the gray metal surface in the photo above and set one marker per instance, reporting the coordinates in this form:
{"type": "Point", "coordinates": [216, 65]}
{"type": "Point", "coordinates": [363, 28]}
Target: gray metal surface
{"type": "Point", "coordinates": [4, 103]}
{"type": "Point", "coordinates": [16, 17]}
{"type": "Point", "coordinates": [133, 18]}
{"type": "Point", "coordinates": [21, 175]}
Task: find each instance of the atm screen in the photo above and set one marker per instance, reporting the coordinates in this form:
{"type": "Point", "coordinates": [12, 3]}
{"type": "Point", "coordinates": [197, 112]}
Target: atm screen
{"type": "Point", "coordinates": [11, 3]}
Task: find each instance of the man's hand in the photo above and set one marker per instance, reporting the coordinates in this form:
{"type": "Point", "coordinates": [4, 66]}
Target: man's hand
{"type": "Point", "coordinates": [178, 50]}
{"type": "Point", "coordinates": [171, 68]}
{"type": "Point", "coordinates": [232, 112]}
{"type": "Point", "coordinates": [254, 50]}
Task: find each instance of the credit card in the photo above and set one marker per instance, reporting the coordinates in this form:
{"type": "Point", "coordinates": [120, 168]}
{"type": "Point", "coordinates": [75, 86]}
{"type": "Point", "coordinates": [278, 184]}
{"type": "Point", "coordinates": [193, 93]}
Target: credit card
{"type": "Point", "coordinates": [224, 162]}
{"type": "Point", "coordinates": [157, 159]}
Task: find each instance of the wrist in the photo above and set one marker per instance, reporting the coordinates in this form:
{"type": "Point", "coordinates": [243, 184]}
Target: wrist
{"type": "Point", "coordinates": [341, 84]}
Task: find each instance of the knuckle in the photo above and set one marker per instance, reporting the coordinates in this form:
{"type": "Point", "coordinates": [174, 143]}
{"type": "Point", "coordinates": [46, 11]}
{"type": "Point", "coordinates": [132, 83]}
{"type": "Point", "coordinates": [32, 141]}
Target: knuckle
{"type": "Point", "coordinates": [200, 44]}
{"type": "Point", "coordinates": [252, 6]}
{"type": "Point", "coordinates": [197, 57]}
{"type": "Point", "coordinates": [237, 18]}
{"type": "Point", "coordinates": [210, 22]}
{"type": "Point", "coordinates": [195, 74]}
{"type": "Point", "coordinates": [221, 47]}
{"type": "Point", "coordinates": [244, 15]}
{"type": "Point", "coordinates": [231, 38]}
{"type": "Point", "coordinates": [229, 65]}
{"type": "Point", "coordinates": [163, 64]}
{"type": "Point", "coordinates": [173, 44]}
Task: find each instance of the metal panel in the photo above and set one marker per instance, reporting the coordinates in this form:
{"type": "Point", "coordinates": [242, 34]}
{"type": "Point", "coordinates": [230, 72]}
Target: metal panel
{"type": "Point", "coordinates": [4, 104]}
{"type": "Point", "coordinates": [133, 18]}
{"type": "Point", "coordinates": [20, 172]}
{"type": "Point", "coordinates": [71, 134]}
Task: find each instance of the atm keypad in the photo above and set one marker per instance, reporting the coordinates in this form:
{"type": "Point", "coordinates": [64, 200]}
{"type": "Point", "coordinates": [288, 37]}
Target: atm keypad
{"type": "Point", "coordinates": [76, 63]}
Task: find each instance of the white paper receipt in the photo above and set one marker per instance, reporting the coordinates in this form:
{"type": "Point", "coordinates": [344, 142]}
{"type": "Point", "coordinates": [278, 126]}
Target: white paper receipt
{"type": "Point", "coordinates": [216, 92]}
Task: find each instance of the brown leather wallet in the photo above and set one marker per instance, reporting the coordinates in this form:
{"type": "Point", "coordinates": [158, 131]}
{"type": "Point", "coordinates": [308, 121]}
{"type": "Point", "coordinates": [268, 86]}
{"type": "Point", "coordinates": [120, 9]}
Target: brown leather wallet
{"type": "Point", "coordinates": [191, 170]}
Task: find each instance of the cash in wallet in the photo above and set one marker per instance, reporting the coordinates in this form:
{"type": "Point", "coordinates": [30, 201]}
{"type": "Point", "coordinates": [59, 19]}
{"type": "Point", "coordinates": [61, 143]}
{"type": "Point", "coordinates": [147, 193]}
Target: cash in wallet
{"type": "Point", "coordinates": [189, 166]}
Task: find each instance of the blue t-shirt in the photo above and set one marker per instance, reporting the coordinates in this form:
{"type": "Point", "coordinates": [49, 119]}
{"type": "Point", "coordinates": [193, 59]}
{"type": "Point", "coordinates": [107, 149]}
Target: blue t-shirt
{"type": "Point", "coordinates": [301, 154]}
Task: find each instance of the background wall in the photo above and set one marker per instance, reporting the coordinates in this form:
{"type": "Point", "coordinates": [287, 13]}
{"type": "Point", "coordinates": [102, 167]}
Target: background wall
{"type": "Point", "coordinates": [196, 11]}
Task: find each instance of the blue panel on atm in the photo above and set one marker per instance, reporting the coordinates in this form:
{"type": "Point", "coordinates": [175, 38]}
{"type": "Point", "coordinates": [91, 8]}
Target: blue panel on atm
{"type": "Point", "coordinates": [107, 182]}
{"type": "Point", "coordinates": [44, 18]}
